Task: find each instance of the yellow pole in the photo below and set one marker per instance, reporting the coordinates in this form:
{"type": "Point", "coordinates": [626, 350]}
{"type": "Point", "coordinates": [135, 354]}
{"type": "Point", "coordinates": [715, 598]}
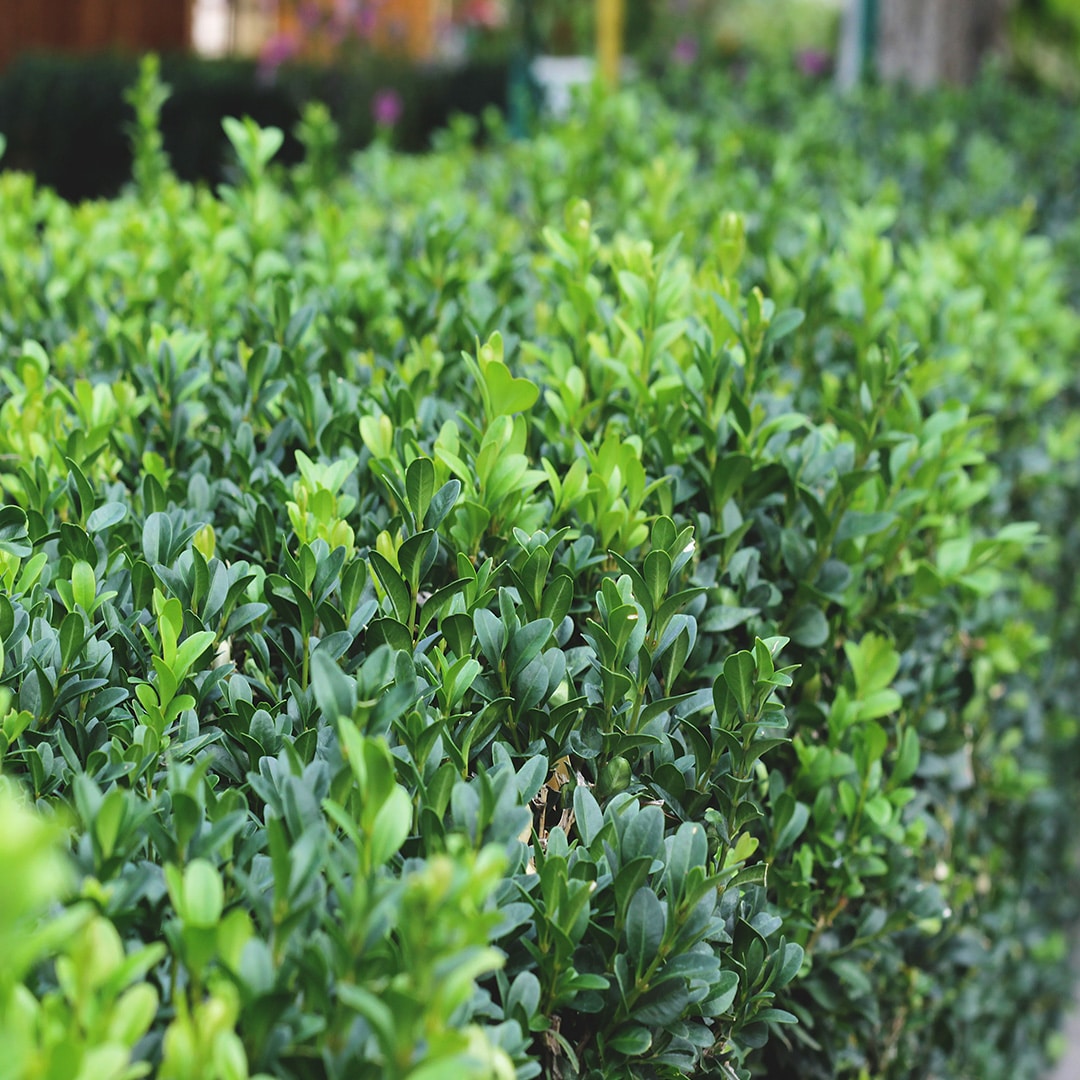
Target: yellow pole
{"type": "Point", "coordinates": [609, 32]}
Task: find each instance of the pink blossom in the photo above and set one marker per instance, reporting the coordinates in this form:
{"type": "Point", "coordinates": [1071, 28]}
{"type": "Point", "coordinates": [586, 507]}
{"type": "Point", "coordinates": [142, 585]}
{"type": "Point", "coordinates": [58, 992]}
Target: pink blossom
{"type": "Point", "coordinates": [685, 51]}
{"type": "Point", "coordinates": [387, 107]}
{"type": "Point", "coordinates": [346, 10]}
{"type": "Point", "coordinates": [813, 62]}
{"type": "Point", "coordinates": [310, 15]}
{"type": "Point", "coordinates": [278, 49]}
{"type": "Point", "coordinates": [488, 14]}
{"type": "Point", "coordinates": [365, 21]}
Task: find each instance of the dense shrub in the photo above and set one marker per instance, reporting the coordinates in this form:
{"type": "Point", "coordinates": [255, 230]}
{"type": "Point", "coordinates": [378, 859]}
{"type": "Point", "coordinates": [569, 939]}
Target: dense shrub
{"type": "Point", "coordinates": [459, 628]}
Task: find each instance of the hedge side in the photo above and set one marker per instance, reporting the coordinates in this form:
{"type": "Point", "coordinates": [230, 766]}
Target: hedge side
{"type": "Point", "coordinates": [456, 627]}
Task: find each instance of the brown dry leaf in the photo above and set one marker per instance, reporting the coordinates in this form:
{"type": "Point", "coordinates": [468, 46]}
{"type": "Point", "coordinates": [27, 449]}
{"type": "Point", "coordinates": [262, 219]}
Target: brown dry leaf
{"type": "Point", "coordinates": [553, 1051]}
{"type": "Point", "coordinates": [560, 774]}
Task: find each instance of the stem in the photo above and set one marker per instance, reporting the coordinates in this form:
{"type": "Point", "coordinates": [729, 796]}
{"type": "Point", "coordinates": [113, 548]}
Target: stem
{"type": "Point", "coordinates": [638, 703]}
{"type": "Point", "coordinates": [824, 922]}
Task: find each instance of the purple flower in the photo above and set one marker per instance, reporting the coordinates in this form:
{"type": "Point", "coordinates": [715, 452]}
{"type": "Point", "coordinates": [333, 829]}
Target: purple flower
{"type": "Point", "coordinates": [339, 19]}
{"type": "Point", "coordinates": [387, 108]}
{"type": "Point", "coordinates": [483, 13]}
{"type": "Point", "coordinates": [685, 51]}
{"type": "Point", "coordinates": [277, 50]}
{"type": "Point", "coordinates": [366, 21]}
{"type": "Point", "coordinates": [310, 15]}
{"type": "Point", "coordinates": [813, 62]}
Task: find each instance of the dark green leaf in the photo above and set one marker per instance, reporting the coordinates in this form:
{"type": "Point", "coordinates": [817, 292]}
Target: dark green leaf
{"type": "Point", "coordinates": [646, 924]}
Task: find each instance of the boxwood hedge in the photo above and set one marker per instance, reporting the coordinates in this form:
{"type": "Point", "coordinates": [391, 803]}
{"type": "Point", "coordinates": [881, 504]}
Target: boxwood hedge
{"type": "Point", "coordinates": [587, 607]}
{"type": "Point", "coordinates": [65, 117]}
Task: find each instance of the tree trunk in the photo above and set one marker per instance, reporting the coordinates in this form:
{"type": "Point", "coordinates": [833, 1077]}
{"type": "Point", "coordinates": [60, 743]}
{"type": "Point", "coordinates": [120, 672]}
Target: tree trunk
{"type": "Point", "coordinates": [925, 42]}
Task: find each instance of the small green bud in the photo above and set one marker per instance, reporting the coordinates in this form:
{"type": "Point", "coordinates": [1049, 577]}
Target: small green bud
{"type": "Point", "coordinates": [730, 242]}
{"type": "Point", "coordinates": [579, 220]}
{"type": "Point", "coordinates": [614, 777]}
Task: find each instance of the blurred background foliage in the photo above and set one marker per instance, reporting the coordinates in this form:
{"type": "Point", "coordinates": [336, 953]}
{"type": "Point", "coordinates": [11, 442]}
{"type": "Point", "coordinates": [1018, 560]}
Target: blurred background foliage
{"type": "Point", "coordinates": [63, 113]}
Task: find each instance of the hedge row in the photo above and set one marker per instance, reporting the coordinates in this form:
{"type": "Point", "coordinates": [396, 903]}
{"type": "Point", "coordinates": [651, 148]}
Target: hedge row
{"type": "Point", "coordinates": [66, 118]}
{"type": "Point", "coordinates": [455, 628]}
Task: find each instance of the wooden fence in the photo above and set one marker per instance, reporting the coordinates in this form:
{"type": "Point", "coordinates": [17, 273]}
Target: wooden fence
{"type": "Point", "coordinates": [91, 25]}
{"type": "Point", "coordinates": [409, 26]}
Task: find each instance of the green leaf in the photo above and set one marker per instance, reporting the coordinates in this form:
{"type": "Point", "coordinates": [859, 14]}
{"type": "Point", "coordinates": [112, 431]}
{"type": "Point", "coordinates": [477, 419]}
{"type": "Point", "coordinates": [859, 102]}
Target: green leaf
{"type": "Point", "coordinates": [907, 757]}
{"type": "Point", "coordinates": [644, 836]}
{"type": "Point", "coordinates": [190, 650]}
{"type": "Point", "coordinates": [856, 523]}
{"type": "Point", "coordinates": [457, 984]}
{"type": "Point", "coordinates": [525, 644]}
{"type": "Point", "coordinates": [954, 556]}
{"type": "Point", "coordinates": [874, 663]}
{"type": "Point", "coordinates": [725, 704]}
{"type": "Point", "coordinates": [776, 1016]}
{"type": "Point", "coordinates": [442, 502]}
{"type": "Point", "coordinates": [83, 585]}
{"type": "Point", "coordinates": [204, 895]}
{"type": "Point", "coordinates": [879, 703]}
{"type": "Point", "coordinates": [157, 538]}
{"type": "Point", "coordinates": [719, 618]}
{"type": "Point", "coordinates": [723, 994]}
{"type": "Point", "coordinates": [106, 516]}
{"type": "Point", "coordinates": [636, 291]}
{"type": "Point", "coordinates": [419, 488]}
{"type": "Point", "coordinates": [783, 324]}
{"type": "Point", "coordinates": [845, 793]}
{"type": "Point", "coordinates": [72, 638]}
{"type": "Point", "coordinates": [389, 632]}
{"type": "Point", "coordinates": [689, 847]}
{"type": "Point", "coordinates": [334, 691]}
{"type": "Point", "coordinates": [392, 825]}
{"type": "Point", "coordinates": [656, 570]}
{"type": "Point", "coordinates": [523, 999]}
{"type": "Point", "coordinates": [740, 675]}
{"type": "Point", "coordinates": [415, 557]}
{"type": "Point", "coordinates": [460, 676]}
{"type": "Point", "coordinates": [587, 981]}
{"type": "Point", "coordinates": [393, 584]}
{"type": "Point", "coordinates": [377, 1013]}
{"type": "Point", "coordinates": [108, 820]}
{"type": "Point", "coordinates": [663, 1005]}
{"type": "Point", "coordinates": [558, 598]}
{"type": "Point", "coordinates": [750, 875]}
{"type": "Point", "coordinates": [795, 822]}
{"type": "Point", "coordinates": [631, 1041]}
{"type": "Point", "coordinates": [508, 394]}
{"type": "Point", "coordinates": [789, 962]}
{"type": "Point", "coordinates": [646, 924]}
{"type": "Point", "coordinates": [763, 661]}
{"type": "Point", "coordinates": [437, 603]}
{"type": "Point", "coordinates": [531, 776]}
{"type": "Point", "coordinates": [587, 814]}
{"type": "Point", "coordinates": [809, 627]}
{"type": "Point", "coordinates": [491, 634]}
{"type": "Point", "coordinates": [879, 810]}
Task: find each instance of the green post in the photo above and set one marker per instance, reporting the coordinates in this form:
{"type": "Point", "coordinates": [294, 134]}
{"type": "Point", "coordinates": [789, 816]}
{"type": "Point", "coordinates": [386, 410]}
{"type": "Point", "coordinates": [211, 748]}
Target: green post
{"type": "Point", "coordinates": [858, 43]}
{"type": "Point", "coordinates": [523, 93]}
{"type": "Point", "coordinates": [868, 45]}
